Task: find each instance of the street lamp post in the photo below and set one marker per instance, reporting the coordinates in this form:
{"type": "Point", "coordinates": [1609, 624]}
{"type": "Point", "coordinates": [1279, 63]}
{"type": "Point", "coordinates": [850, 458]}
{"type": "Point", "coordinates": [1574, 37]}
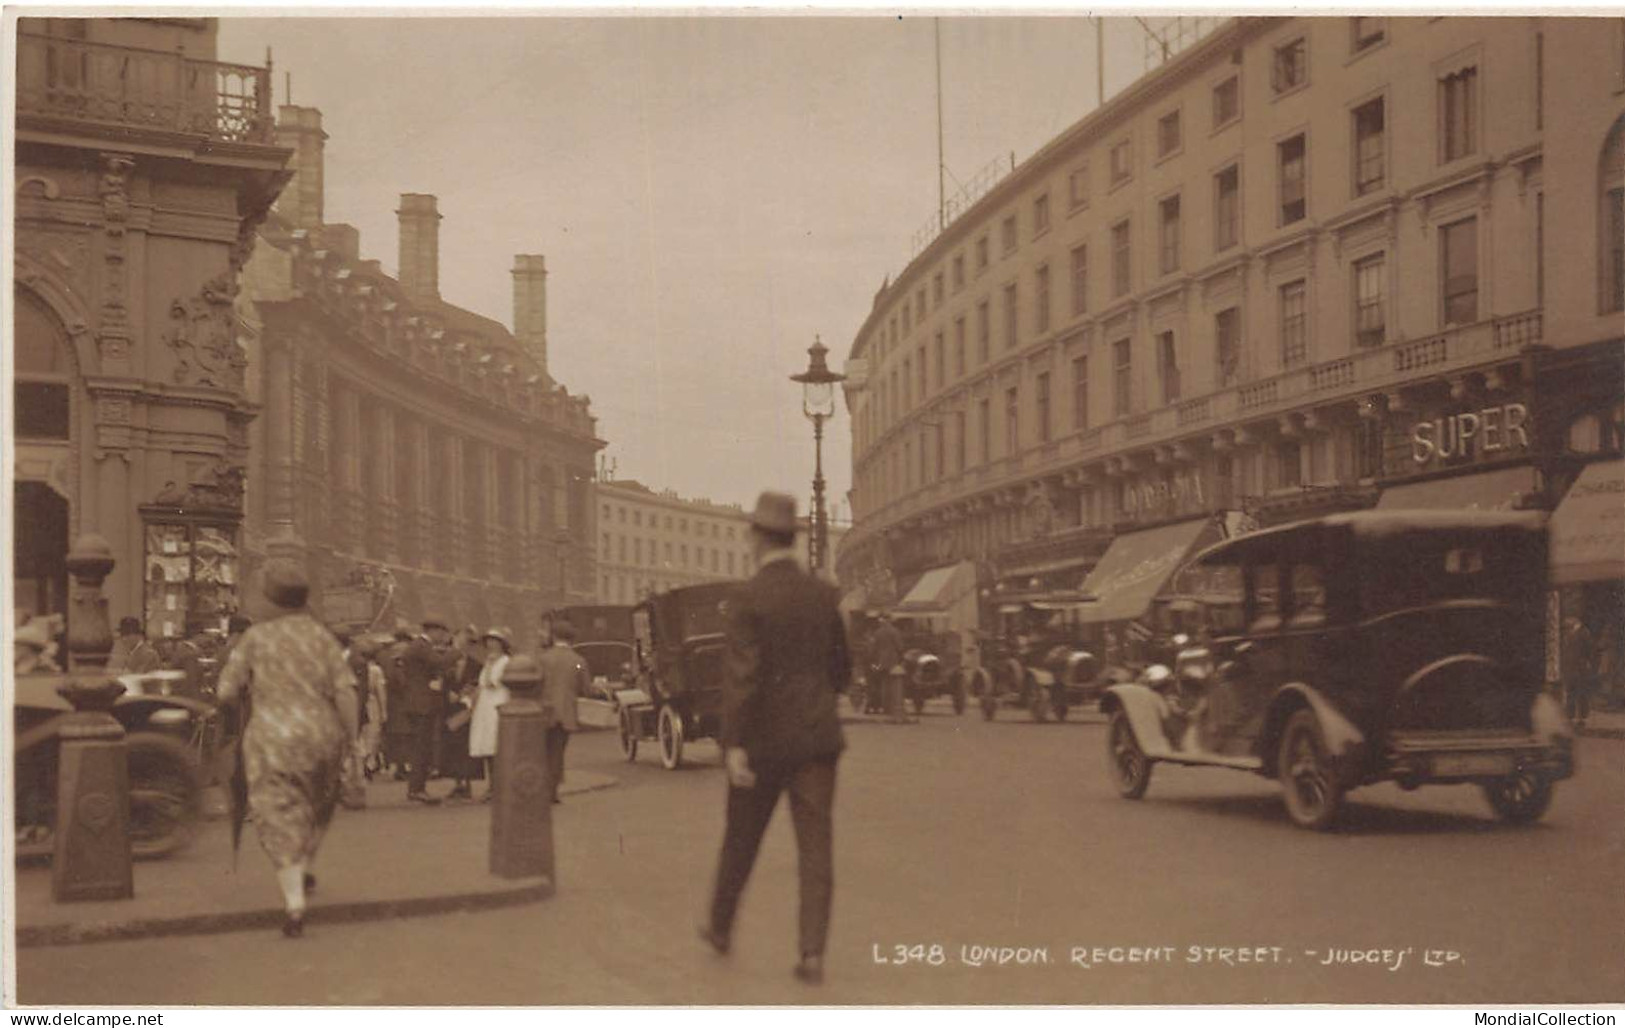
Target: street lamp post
{"type": "Point", "coordinates": [818, 403]}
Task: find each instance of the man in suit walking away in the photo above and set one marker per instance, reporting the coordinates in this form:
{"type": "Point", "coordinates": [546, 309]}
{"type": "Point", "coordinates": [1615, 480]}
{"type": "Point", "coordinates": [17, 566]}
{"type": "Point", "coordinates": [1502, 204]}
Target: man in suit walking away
{"type": "Point", "coordinates": [564, 677]}
{"type": "Point", "coordinates": [787, 663]}
{"type": "Point", "coordinates": [424, 668]}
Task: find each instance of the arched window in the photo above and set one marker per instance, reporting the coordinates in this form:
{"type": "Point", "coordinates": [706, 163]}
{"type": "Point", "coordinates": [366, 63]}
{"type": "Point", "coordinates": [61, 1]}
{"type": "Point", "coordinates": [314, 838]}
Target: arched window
{"type": "Point", "coordinates": [1611, 190]}
{"type": "Point", "coordinates": [43, 372]}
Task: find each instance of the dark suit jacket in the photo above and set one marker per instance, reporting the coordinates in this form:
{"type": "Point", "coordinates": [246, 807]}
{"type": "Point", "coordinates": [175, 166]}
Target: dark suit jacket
{"type": "Point", "coordinates": [886, 647]}
{"type": "Point", "coordinates": [787, 660]}
{"type": "Point", "coordinates": [422, 664]}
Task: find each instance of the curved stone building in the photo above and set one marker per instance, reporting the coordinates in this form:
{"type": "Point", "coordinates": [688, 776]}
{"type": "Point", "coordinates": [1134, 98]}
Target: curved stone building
{"type": "Point", "coordinates": [1306, 265]}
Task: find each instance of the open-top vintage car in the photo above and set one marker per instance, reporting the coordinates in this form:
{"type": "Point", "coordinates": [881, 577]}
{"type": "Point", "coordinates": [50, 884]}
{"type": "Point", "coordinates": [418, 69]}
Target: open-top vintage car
{"type": "Point", "coordinates": [164, 739]}
{"type": "Point", "coordinates": [1359, 648]}
{"type": "Point", "coordinates": [604, 642]}
{"type": "Point", "coordinates": [1036, 663]}
{"type": "Point", "coordinates": [678, 648]}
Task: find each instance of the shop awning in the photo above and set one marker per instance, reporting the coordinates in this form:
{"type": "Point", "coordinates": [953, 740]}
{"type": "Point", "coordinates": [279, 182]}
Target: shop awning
{"type": "Point", "coordinates": [939, 589]}
{"type": "Point", "coordinates": [1588, 527]}
{"type": "Point", "coordinates": [1487, 490]}
{"type": "Point", "coordinates": [1136, 565]}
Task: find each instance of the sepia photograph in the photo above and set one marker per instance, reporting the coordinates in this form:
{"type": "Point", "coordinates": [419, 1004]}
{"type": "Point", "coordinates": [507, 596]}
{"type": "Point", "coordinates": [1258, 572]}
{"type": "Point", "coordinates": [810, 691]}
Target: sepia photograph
{"type": "Point", "coordinates": [804, 508]}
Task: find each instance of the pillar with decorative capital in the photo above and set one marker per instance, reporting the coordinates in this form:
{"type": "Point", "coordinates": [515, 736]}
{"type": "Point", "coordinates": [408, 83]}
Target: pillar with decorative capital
{"type": "Point", "coordinates": [91, 859]}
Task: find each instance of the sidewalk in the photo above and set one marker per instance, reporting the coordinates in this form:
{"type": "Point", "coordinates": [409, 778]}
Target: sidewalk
{"type": "Point", "coordinates": [1604, 724]}
{"type": "Point", "coordinates": [365, 873]}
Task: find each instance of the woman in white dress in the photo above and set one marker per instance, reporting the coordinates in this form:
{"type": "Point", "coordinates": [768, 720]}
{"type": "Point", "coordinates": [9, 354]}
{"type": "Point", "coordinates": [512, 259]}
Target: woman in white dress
{"type": "Point", "coordinates": [482, 730]}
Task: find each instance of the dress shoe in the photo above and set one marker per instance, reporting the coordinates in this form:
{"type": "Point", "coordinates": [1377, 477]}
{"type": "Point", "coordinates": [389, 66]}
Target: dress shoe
{"type": "Point", "coordinates": [461, 792]}
{"type": "Point", "coordinates": [810, 970]}
{"type": "Point", "coordinates": [293, 926]}
{"type": "Point", "coordinates": [424, 798]}
{"type": "Point", "coordinates": [718, 942]}
{"type": "Point", "coordinates": [310, 882]}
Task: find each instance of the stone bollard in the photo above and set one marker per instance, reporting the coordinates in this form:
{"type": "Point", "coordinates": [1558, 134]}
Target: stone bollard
{"type": "Point", "coordinates": [92, 845]}
{"type": "Point", "coordinates": [522, 812]}
{"type": "Point", "coordinates": [894, 697]}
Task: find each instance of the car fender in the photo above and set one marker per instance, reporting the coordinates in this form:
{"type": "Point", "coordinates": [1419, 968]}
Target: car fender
{"type": "Point", "coordinates": [1081, 668]}
{"type": "Point", "coordinates": [1345, 743]}
{"type": "Point", "coordinates": [630, 698]}
{"type": "Point", "coordinates": [1145, 710]}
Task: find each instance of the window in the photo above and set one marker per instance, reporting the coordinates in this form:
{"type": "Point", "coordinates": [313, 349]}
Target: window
{"type": "Point", "coordinates": [637, 551]}
{"type": "Point", "coordinates": [1122, 383]}
{"type": "Point", "coordinates": [959, 440]}
{"type": "Point", "coordinates": [1226, 208]}
{"type": "Point", "coordinates": [1012, 421]}
{"type": "Point", "coordinates": [637, 518]}
{"type": "Point", "coordinates": [919, 305]}
{"type": "Point", "coordinates": [1168, 134]}
{"type": "Point", "coordinates": [936, 290]}
{"type": "Point", "coordinates": [1011, 316]}
{"type": "Point", "coordinates": [1007, 234]}
{"type": "Point", "coordinates": [1458, 117]}
{"type": "Point", "coordinates": [730, 562]}
{"type": "Point", "coordinates": [1043, 407]}
{"type": "Point", "coordinates": [1540, 81]}
{"type": "Point", "coordinates": [1611, 217]}
{"type": "Point", "coordinates": [981, 253]}
{"type": "Point", "coordinates": [1292, 171]}
{"type": "Point", "coordinates": [921, 368]}
{"type": "Point", "coordinates": [942, 362]}
{"type": "Point", "coordinates": [1168, 251]}
{"type": "Point", "coordinates": [984, 331]}
{"type": "Point", "coordinates": [1370, 313]}
{"type": "Point", "coordinates": [1227, 333]}
{"type": "Point", "coordinates": [1290, 68]}
{"type": "Point", "coordinates": [959, 272]}
{"type": "Point", "coordinates": [1120, 259]}
{"type": "Point", "coordinates": [1227, 101]}
{"type": "Point", "coordinates": [1041, 300]}
{"type": "Point", "coordinates": [1121, 163]}
{"type": "Point", "coordinates": [1366, 33]}
{"type": "Point", "coordinates": [1458, 245]}
{"type": "Point", "coordinates": [1294, 326]}
{"type": "Point", "coordinates": [1168, 367]}
{"type": "Point", "coordinates": [1288, 463]}
{"type": "Point", "coordinates": [959, 347]}
{"type": "Point", "coordinates": [908, 383]}
{"type": "Point", "coordinates": [1078, 186]}
{"type": "Point", "coordinates": [683, 555]}
{"type": "Point", "coordinates": [1080, 392]}
{"type": "Point", "coordinates": [986, 409]}
{"type": "Point", "coordinates": [908, 324]}
{"type": "Point", "coordinates": [1041, 214]}
{"type": "Point", "coordinates": [1308, 594]}
{"type": "Point", "coordinates": [620, 547]}
{"type": "Point", "coordinates": [1368, 447]}
{"type": "Point", "coordinates": [1080, 280]}
{"type": "Point", "coordinates": [1369, 148]}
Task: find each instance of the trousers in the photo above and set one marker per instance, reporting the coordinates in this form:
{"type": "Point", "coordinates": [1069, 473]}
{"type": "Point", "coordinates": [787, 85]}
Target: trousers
{"type": "Point", "coordinates": [558, 737]}
{"type": "Point", "coordinates": [425, 729]}
{"type": "Point", "coordinates": [812, 803]}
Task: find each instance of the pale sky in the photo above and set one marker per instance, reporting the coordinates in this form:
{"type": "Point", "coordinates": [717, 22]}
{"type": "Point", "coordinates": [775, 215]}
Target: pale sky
{"type": "Point", "coordinates": [710, 192]}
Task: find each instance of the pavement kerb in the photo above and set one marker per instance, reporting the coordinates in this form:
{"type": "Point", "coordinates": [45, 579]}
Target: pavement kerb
{"type": "Point", "coordinates": [70, 934]}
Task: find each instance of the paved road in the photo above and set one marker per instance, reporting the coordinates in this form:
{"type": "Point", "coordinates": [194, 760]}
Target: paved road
{"type": "Point", "coordinates": [964, 834]}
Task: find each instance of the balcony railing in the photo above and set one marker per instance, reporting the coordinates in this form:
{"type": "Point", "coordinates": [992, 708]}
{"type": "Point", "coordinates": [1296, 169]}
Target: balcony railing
{"type": "Point", "coordinates": [119, 85]}
{"type": "Point", "coordinates": [1373, 370]}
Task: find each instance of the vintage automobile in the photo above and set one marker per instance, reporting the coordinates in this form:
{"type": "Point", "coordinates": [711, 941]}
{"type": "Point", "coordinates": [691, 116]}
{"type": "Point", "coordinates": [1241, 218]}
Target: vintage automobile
{"type": "Point", "coordinates": [1035, 663]}
{"type": "Point", "coordinates": [164, 735]}
{"type": "Point", "coordinates": [931, 665]}
{"type": "Point", "coordinates": [678, 651]}
{"type": "Point", "coordinates": [604, 641]}
{"type": "Point", "coordinates": [1402, 646]}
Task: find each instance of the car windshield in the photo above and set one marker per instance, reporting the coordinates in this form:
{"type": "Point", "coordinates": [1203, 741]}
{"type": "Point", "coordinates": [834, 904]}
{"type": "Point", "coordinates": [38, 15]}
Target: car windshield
{"type": "Point", "coordinates": [1416, 569]}
{"type": "Point", "coordinates": [606, 659]}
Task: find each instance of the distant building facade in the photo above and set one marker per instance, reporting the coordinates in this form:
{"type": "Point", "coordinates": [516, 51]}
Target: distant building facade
{"type": "Point", "coordinates": [1306, 265]}
{"type": "Point", "coordinates": [143, 166]}
{"type": "Point", "coordinates": [651, 541]}
{"type": "Point", "coordinates": [408, 449]}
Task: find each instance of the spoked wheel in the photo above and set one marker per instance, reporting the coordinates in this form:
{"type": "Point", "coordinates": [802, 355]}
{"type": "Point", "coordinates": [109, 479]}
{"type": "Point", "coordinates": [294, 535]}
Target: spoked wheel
{"type": "Point", "coordinates": [1312, 792]}
{"type": "Point", "coordinates": [671, 738]}
{"type": "Point", "coordinates": [165, 795]}
{"type": "Point", "coordinates": [1129, 766]}
{"type": "Point", "coordinates": [1520, 799]}
{"type": "Point", "coordinates": [629, 735]}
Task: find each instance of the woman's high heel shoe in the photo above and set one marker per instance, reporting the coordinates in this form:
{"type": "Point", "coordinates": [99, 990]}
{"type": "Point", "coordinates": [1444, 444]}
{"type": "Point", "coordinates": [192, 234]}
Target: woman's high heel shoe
{"type": "Point", "coordinates": [293, 926]}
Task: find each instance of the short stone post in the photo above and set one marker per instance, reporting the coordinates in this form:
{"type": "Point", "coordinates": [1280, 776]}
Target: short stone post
{"type": "Point", "coordinates": [894, 697]}
{"type": "Point", "coordinates": [92, 845]}
{"type": "Point", "coordinates": [522, 812]}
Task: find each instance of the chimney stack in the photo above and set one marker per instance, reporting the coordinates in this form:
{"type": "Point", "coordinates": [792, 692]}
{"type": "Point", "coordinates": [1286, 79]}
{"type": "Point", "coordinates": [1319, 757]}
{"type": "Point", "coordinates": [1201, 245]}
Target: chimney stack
{"type": "Point", "coordinates": [300, 129]}
{"type": "Point", "coordinates": [530, 304]}
{"type": "Point", "coordinates": [420, 247]}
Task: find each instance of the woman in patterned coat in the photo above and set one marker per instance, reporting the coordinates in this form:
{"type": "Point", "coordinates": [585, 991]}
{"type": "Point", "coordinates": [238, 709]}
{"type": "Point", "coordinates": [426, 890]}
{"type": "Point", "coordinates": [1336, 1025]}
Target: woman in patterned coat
{"type": "Point", "coordinates": [292, 672]}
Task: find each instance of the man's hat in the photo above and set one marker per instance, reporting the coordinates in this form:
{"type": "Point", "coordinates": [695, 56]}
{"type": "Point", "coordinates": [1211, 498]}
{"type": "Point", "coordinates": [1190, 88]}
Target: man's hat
{"type": "Point", "coordinates": [522, 670]}
{"type": "Point", "coordinates": [285, 584]}
{"type": "Point", "coordinates": [434, 621]}
{"type": "Point", "coordinates": [775, 512]}
{"type": "Point", "coordinates": [564, 632]}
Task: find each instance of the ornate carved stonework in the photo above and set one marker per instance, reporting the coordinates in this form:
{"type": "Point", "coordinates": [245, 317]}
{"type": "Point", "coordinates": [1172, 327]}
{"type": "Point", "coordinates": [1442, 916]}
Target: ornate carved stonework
{"type": "Point", "coordinates": [219, 487]}
{"type": "Point", "coordinates": [114, 337]}
{"type": "Point", "coordinates": [204, 337]}
{"type": "Point", "coordinates": [62, 252]}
